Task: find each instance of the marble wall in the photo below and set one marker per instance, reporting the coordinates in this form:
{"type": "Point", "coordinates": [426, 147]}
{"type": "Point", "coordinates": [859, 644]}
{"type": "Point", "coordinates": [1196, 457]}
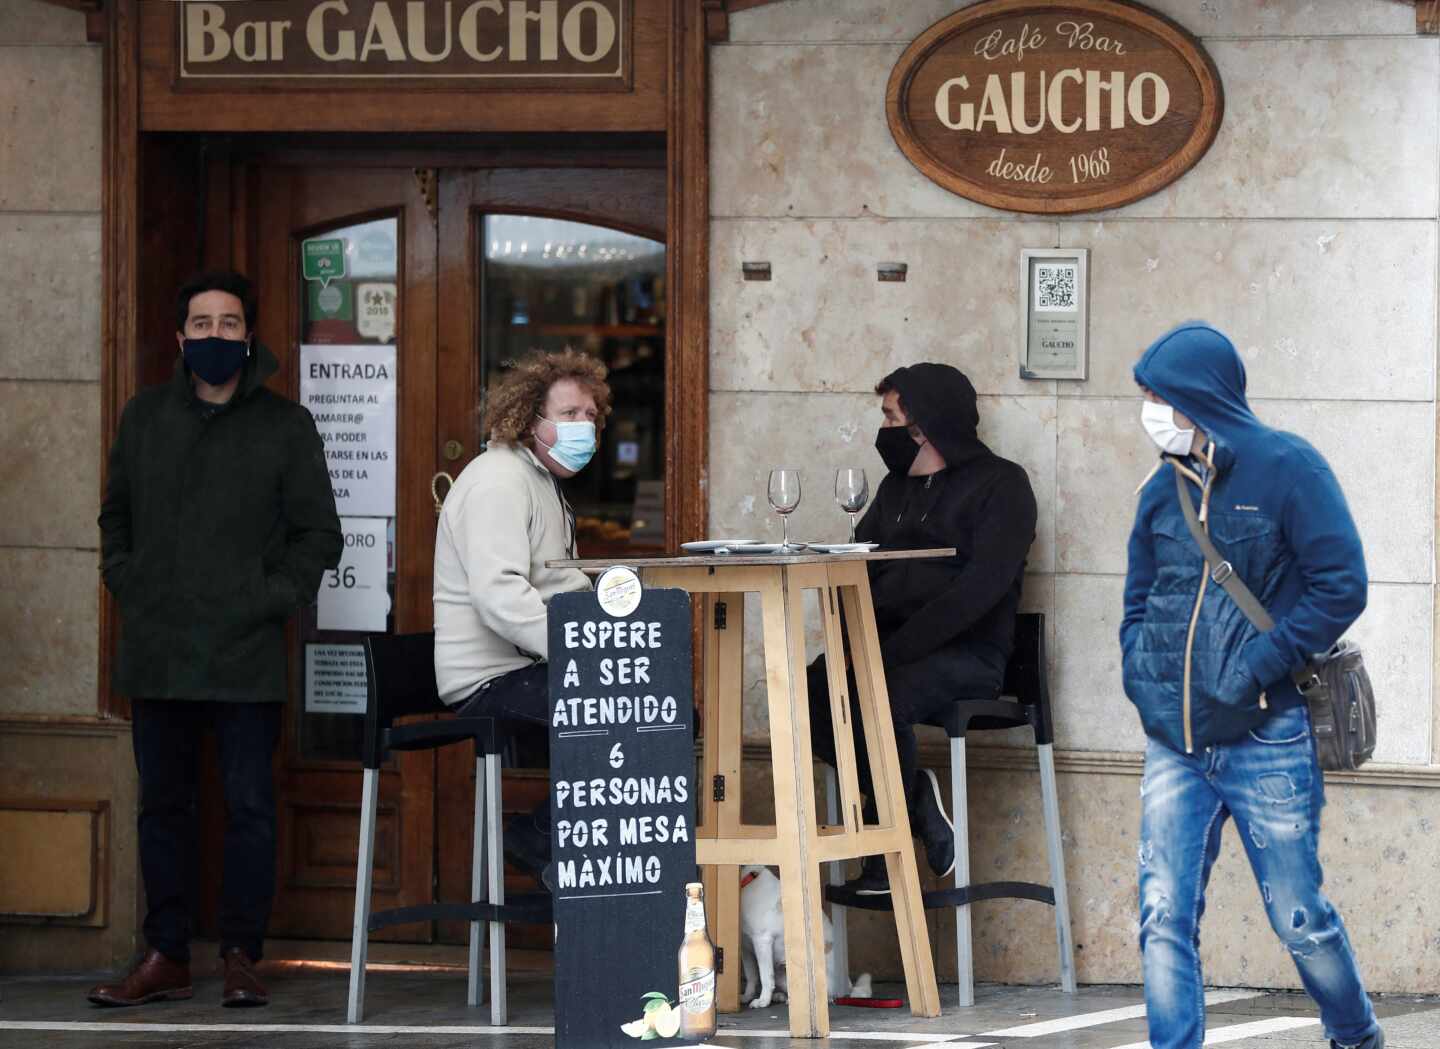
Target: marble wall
{"type": "Point", "coordinates": [50, 95]}
{"type": "Point", "coordinates": [51, 746]}
{"type": "Point", "coordinates": [1309, 232]}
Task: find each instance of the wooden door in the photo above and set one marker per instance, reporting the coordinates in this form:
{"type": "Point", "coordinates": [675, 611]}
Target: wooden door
{"type": "Point", "coordinates": [513, 277]}
{"type": "Point", "coordinates": [388, 227]}
{"type": "Point", "coordinates": [425, 232]}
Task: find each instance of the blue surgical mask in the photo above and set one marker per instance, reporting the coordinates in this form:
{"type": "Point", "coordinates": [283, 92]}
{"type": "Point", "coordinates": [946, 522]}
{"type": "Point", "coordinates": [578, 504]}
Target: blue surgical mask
{"type": "Point", "coordinates": [574, 444]}
{"type": "Point", "coordinates": [215, 359]}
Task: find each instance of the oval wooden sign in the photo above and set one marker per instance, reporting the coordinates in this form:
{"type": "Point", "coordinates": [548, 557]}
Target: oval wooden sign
{"type": "Point", "coordinates": [1057, 107]}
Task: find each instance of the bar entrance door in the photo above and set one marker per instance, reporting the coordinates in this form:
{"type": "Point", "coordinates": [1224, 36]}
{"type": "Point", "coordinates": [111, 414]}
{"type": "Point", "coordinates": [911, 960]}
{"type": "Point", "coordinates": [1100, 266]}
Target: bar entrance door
{"type": "Point", "coordinates": [452, 273]}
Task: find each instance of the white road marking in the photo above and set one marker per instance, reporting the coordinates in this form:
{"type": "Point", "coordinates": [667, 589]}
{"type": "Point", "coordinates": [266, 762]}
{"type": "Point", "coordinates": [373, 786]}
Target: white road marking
{"type": "Point", "coordinates": [912, 1037]}
{"type": "Point", "coordinates": [1075, 1023]}
{"type": "Point", "coordinates": [1235, 1032]}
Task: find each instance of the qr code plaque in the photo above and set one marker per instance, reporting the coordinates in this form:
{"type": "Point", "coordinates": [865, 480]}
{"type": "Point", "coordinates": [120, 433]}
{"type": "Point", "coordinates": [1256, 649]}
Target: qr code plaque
{"type": "Point", "coordinates": [1055, 287]}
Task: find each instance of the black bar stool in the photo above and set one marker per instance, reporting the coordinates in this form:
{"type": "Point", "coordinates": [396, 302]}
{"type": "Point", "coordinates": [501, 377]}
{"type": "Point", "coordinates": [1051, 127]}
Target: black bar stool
{"type": "Point", "coordinates": [400, 672]}
{"type": "Point", "coordinates": [1027, 680]}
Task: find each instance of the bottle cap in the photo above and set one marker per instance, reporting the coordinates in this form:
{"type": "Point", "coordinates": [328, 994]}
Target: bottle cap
{"type": "Point", "coordinates": [694, 886]}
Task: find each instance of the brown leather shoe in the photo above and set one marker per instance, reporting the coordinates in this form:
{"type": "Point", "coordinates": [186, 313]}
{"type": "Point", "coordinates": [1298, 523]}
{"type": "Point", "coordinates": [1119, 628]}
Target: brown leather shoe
{"type": "Point", "coordinates": [154, 978]}
{"type": "Point", "coordinates": [242, 986]}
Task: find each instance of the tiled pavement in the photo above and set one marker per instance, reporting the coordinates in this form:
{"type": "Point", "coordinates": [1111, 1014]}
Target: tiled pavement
{"type": "Point", "coordinates": [425, 1010]}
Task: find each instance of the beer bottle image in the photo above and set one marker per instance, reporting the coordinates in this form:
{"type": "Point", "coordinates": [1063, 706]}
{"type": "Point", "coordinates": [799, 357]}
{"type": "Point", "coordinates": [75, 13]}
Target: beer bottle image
{"type": "Point", "coordinates": [697, 969]}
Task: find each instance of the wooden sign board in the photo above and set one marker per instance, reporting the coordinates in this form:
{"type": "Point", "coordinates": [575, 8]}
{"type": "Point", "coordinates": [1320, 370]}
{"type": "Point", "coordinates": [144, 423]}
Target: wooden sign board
{"type": "Point", "coordinates": [623, 805]}
{"type": "Point", "coordinates": [1055, 107]}
{"type": "Point", "coordinates": [556, 45]}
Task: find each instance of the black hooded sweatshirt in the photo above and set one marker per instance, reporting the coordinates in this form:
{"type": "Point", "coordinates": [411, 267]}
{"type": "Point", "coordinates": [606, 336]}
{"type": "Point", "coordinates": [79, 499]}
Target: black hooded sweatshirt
{"type": "Point", "coordinates": [980, 504]}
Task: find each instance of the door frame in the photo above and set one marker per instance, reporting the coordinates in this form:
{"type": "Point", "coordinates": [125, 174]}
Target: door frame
{"type": "Point", "coordinates": [135, 299]}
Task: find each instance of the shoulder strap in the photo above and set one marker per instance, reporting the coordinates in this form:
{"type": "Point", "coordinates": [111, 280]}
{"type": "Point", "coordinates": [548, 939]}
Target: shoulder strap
{"type": "Point", "coordinates": [1220, 569]}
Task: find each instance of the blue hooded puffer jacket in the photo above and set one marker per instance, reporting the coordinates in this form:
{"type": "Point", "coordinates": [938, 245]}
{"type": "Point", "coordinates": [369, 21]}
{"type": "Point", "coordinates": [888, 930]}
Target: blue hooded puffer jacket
{"type": "Point", "coordinates": [1276, 513]}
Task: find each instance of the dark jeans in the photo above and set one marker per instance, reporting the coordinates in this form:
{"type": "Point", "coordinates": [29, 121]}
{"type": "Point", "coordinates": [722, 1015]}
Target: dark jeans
{"type": "Point", "coordinates": [919, 694]}
{"type": "Point", "coordinates": [166, 735]}
{"type": "Point", "coordinates": [518, 700]}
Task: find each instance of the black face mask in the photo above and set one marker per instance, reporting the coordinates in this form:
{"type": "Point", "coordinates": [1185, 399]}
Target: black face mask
{"type": "Point", "coordinates": [215, 359]}
{"type": "Point", "coordinates": [897, 448]}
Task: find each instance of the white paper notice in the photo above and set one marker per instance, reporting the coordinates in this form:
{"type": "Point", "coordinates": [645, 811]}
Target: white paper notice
{"type": "Point", "coordinates": [352, 596]}
{"type": "Point", "coordinates": [334, 679]}
{"type": "Point", "coordinates": [350, 390]}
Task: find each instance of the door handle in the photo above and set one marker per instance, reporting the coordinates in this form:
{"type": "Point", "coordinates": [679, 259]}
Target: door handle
{"type": "Point", "coordinates": [435, 489]}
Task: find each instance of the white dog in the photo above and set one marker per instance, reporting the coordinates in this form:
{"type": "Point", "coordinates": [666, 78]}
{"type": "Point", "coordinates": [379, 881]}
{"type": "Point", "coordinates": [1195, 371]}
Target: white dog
{"type": "Point", "coordinates": [762, 947]}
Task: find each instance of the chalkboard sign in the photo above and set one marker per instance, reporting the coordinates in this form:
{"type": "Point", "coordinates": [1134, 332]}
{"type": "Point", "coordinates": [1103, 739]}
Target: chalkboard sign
{"type": "Point", "coordinates": [623, 806]}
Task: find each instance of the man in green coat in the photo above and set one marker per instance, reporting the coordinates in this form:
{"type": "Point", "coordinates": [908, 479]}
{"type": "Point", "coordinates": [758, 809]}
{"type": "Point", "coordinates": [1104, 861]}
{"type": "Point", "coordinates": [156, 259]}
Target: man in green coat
{"type": "Point", "coordinates": [218, 521]}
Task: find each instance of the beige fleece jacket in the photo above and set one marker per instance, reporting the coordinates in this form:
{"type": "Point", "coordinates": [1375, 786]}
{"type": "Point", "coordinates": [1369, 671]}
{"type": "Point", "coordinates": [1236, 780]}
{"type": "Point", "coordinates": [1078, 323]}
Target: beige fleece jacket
{"type": "Point", "coordinates": [501, 522]}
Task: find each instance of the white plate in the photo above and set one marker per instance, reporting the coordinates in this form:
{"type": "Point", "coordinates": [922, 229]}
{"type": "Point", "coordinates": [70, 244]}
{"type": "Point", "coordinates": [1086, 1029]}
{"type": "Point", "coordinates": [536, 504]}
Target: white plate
{"type": "Point", "coordinates": [843, 548]}
{"type": "Point", "coordinates": [764, 548]}
{"type": "Point", "coordinates": [707, 546]}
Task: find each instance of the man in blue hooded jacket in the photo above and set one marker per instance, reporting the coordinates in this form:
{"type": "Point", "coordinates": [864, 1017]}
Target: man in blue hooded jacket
{"type": "Point", "coordinates": [1229, 733]}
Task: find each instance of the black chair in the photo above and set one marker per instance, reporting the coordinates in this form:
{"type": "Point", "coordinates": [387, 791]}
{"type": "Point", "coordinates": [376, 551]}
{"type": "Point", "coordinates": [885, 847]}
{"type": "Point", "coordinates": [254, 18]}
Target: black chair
{"type": "Point", "coordinates": [1027, 680]}
{"type": "Point", "coordinates": [400, 673]}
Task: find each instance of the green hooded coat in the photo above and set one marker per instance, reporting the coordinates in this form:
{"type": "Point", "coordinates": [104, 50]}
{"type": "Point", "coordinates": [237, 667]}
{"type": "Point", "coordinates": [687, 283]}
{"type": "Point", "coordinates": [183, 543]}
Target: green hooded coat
{"type": "Point", "coordinates": [212, 531]}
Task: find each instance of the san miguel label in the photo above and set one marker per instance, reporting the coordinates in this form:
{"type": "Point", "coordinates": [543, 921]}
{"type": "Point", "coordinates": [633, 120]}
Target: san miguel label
{"type": "Point", "coordinates": [566, 45]}
{"type": "Point", "coordinates": [1054, 107]}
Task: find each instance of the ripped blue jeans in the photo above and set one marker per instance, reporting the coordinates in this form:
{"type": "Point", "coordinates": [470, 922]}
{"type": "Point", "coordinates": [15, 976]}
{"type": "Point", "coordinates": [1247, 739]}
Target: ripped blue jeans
{"type": "Point", "coordinates": [1269, 782]}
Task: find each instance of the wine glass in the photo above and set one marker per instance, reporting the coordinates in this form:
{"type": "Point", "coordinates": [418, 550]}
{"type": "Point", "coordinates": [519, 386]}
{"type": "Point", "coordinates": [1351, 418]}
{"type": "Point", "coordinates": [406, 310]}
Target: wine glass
{"type": "Point", "coordinates": [852, 492]}
{"type": "Point", "coordinates": [785, 496]}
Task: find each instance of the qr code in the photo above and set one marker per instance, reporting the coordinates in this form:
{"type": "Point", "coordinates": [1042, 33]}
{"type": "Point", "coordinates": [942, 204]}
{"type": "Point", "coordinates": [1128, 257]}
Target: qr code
{"type": "Point", "coordinates": [1055, 287]}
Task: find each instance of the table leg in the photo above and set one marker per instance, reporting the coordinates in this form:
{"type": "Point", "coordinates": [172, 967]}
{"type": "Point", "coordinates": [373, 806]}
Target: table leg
{"type": "Point", "coordinates": [874, 702]}
{"type": "Point", "coordinates": [783, 613]}
{"type": "Point", "coordinates": [847, 775]}
{"type": "Point", "coordinates": [722, 648]}
{"type": "Point", "coordinates": [721, 756]}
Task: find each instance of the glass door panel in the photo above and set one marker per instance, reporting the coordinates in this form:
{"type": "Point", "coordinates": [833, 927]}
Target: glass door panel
{"type": "Point", "coordinates": [551, 284]}
{"type": "Point", "coordinates": [349, 312]}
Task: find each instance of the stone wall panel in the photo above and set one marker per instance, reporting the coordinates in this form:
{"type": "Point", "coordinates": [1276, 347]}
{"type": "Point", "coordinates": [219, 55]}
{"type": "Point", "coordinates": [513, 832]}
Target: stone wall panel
{"type": "Point", "coordinates": [50, 300]}
{"type": "Point", "coordinates": [874, 21]}
{"type": "Point", "coordinates": [825, 322]}
{"type": "Point", "coordinates": [1310, 131]}
{"type": "Point", "coordinates": [51, 618]}
{"type": "Point", "coordinates": [1091, 711]}
{"type": "Point", "coordinates": [1321, 309]}
{"type": "Point", "coordinates": [50, 110]}
{"type": "Point", "coordinates": [1339, 128]}
{"type": "Point", "coordinates": [37, 22]}
{"type": "Point", "coordinates": [799, 131]}
{"type": "Point", "coordinates": [1395, 633]}
{"type": "Point", "coordinates": [1103, 455]}
{"type": "Point", "coordinates": [50, 472]}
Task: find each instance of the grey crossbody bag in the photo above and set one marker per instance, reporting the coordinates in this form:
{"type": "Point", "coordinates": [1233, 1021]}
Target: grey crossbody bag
{"type": "Point", "coordinates": [1334, 684]}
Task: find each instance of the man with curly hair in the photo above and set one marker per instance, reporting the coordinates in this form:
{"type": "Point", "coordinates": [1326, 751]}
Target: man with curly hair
{"type": "Point", "coordinates": [504, 518]}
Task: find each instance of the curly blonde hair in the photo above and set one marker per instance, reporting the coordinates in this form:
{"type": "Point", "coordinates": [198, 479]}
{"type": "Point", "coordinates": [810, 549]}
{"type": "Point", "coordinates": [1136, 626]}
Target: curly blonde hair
{"type": "Point", "coordinates": [519, 396]}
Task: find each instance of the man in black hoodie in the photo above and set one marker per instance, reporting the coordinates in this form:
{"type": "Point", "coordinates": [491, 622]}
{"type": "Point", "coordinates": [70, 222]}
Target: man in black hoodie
{"type": "Point", "coordinates": [946, 626]}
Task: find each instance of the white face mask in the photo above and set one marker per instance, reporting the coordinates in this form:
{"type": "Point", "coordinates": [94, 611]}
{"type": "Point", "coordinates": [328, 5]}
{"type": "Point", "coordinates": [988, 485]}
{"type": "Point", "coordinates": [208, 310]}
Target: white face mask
{"type": "Point", "coordinates": [1159, 423]}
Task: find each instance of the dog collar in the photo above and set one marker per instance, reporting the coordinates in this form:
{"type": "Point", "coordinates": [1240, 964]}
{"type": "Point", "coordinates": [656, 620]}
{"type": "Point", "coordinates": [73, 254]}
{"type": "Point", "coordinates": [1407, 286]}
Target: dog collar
{"type": "Point", "coordinates": [747, 879]}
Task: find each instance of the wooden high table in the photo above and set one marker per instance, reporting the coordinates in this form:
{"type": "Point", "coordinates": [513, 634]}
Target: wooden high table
{"type": "Point", "coordinates": [798, 844]}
